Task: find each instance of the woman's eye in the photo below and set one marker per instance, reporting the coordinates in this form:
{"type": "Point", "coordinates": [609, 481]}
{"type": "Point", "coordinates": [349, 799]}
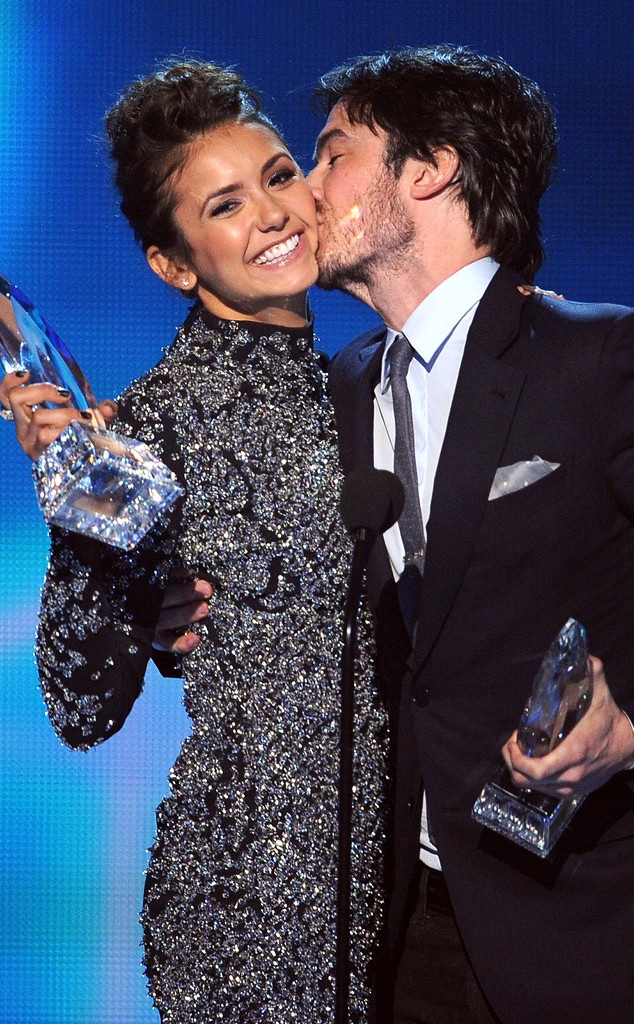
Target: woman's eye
{"type": "Point", "coordinates": [282, 176]}
{"type": "Point", "coordinates": [227, 207]}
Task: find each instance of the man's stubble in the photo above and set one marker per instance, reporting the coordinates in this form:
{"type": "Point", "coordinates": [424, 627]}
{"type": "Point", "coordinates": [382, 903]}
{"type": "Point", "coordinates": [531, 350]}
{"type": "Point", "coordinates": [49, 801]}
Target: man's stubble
{"type": "Point", "coordinates": [377, 240]}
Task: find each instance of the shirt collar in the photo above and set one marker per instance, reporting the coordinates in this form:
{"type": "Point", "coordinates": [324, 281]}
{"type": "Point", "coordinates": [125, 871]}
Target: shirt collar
{"type": "Point", "coordinates": [433, 322]}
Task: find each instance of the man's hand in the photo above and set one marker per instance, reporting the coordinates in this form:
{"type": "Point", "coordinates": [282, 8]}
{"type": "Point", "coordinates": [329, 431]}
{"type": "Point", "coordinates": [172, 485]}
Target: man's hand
{"type": "Point", "coordinates": [185, 602]}
{"type": "Point", "coordinates": [600, 745]}
{"type": "Point", "coordinates": [36, 426]}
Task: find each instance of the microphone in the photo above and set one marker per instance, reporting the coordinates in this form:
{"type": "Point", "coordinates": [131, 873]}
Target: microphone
{"type": "Point", "coordinates": [371, 501]}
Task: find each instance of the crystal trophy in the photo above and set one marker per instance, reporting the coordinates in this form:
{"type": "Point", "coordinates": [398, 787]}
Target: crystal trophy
{"type": "Point", "coordinates": [561, 694]}
{"type": "Point", "coordinates": [89, 480]}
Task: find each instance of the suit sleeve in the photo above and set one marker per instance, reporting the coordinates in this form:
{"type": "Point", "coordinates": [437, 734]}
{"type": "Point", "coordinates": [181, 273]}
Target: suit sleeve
{"type": "Point", "coordinates": [617, 411]}
{"type": "Point", "coordinates": [617, 397]}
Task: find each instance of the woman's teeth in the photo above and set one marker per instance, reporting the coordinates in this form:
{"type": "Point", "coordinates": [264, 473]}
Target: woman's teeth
{"type": "Point", "coordinates": [281, 249]}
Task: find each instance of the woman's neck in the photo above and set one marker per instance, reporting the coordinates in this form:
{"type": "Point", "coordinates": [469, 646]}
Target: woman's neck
{"type": "Point", "coordinates": [287, 312]}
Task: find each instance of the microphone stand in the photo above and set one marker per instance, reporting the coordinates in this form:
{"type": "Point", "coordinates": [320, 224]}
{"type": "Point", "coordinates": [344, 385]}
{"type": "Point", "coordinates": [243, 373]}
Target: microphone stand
{"type": "Point", "coordinates": [371, 500]}
{"type": "Point", "coordinates": [342, 976]}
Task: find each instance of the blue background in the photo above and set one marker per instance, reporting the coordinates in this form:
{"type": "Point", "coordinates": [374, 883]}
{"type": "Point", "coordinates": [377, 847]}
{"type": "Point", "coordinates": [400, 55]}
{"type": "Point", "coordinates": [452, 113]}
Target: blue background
{"type": "Point", "coordinates": [75, 827]}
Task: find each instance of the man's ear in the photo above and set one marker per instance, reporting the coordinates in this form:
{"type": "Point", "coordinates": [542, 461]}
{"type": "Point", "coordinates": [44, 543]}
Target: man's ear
{"type": "Point", "coordinates": [429, 179]}
{"type": "Point", "coordinates": [172, 271]}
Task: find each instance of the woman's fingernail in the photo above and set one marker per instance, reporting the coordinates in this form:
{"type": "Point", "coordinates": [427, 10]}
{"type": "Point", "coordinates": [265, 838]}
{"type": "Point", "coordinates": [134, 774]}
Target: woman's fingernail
{"type": "Point", "coordinates": [20, 373]}
{"type": "Point", "coordinates": [85, 415]}
{"type": "Point", "coordinates": [63, 392]}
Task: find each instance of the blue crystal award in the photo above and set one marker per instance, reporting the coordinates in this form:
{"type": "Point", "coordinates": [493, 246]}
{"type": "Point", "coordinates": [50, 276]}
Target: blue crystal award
{"type": "Point", "coordinates": [561, 695]}
{"type": "Point", "coordinates": [90, 480]}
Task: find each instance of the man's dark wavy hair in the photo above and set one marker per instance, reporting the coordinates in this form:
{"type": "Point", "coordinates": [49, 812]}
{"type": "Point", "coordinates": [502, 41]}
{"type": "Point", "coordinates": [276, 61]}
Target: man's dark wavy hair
{"type": "Point", "coordinates": [498, 121]}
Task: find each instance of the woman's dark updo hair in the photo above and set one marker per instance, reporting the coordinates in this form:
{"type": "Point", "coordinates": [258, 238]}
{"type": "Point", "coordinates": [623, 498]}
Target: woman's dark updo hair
{"type": "Point", "coordinates": [151, 129]}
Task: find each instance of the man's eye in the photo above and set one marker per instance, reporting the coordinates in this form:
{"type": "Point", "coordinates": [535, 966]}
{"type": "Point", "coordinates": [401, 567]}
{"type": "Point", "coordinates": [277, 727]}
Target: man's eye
{"type": "Point", "coordinates": [333, 158]}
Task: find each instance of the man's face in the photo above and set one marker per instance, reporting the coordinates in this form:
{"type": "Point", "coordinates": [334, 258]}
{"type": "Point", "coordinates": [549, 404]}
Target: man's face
{"type": "Point", "coordinates": [364, 229]}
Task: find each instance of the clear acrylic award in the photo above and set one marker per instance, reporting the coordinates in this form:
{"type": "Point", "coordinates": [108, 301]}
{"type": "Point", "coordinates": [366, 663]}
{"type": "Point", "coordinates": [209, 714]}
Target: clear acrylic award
{"type": "Point", "coordinates": [90, 480]}
{"type": "Point", "coordinates": [561, 694]}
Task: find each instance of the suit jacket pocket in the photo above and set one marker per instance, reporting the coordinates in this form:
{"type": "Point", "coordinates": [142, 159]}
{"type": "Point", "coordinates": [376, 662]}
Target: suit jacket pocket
{"type": "Point", "coordinates": [548, 490]}
{"type": "Point", "coordinates": [518, 525]}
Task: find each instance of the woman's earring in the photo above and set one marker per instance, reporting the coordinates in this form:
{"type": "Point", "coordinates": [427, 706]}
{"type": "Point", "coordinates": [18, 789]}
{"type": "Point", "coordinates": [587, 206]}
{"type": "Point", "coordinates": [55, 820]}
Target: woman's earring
{"type": "Point", "coordinates": [185, 282]}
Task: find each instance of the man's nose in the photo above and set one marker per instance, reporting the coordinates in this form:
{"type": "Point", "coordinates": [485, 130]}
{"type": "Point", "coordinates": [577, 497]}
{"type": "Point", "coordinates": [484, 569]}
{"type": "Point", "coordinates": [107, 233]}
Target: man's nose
{"type": "Point", "coordinates": [314, 182]}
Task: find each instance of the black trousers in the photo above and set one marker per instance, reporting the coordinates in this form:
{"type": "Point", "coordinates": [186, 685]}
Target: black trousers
{"type": "Point", "coordinates": [435, 983]}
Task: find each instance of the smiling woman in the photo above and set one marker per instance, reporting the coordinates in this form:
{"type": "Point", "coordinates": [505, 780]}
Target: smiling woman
{"type": "Point", "coordinates": [249, 221]}
{"type": "Point", "coordinates": [240, 905]}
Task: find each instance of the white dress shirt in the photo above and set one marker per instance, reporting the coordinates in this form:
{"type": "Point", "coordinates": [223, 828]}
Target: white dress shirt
{"type": "Point", "coordinates": [437, 331]}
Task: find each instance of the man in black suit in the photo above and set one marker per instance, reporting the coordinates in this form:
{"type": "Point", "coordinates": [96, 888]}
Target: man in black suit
{"type": "Point", "coordinates": [428, 178]}
{"type": "Point", "coordinates": [429, 174]}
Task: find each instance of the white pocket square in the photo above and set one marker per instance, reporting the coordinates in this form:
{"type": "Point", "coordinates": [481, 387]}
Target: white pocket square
{"type": "Point", "coordinates": [521, 474]}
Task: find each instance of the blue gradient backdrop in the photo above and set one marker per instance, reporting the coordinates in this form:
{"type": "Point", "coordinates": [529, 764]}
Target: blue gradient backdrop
{"type": "Point", "coordinates": [75, 827]}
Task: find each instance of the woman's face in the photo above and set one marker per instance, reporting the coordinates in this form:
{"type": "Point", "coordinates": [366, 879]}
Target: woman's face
{"type": "Point", "coordinates": [248, 218]}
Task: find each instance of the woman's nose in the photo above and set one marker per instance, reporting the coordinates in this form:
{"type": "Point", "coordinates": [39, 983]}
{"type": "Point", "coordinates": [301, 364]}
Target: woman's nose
{"type": "Point", "coordinates": [271, 212]}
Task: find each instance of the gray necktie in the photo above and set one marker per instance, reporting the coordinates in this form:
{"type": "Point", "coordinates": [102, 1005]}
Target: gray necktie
{"type": "Point", "coordinates": [411, 520]}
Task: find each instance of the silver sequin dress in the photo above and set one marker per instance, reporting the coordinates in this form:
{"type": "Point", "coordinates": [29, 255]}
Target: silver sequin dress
{"type": "Point", "coordinates": [240, 907]}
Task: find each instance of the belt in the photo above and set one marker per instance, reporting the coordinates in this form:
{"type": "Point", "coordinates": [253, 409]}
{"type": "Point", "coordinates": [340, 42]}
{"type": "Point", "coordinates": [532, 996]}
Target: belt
{"type": "Point", "coordinates": [434, 892]}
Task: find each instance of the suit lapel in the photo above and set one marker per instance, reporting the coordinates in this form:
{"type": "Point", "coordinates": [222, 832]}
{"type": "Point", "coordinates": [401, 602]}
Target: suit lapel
{"type": "Point", "coordinates": [354, 405]}
{"type": "Point", "coordinates": [353, 397]}
{"type": "Point", "coordinates": [482, 410]}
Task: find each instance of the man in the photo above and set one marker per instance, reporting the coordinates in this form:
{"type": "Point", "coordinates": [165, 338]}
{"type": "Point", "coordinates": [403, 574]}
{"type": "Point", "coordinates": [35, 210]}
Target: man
{"type": "Point", "coordinates": [428, 178]}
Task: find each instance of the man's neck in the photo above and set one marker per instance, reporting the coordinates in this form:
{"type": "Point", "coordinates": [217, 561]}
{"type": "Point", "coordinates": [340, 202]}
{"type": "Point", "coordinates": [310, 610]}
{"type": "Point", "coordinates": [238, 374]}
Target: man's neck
{"type": "Point", "coordinates": [395, 296]}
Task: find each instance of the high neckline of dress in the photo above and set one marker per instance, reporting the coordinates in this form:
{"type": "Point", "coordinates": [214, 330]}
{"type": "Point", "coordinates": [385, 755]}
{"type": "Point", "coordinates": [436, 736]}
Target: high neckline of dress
{"type": "Point", "coordinates": [256, 328]}
{"type": "Point", "coordinates": [203, 334]}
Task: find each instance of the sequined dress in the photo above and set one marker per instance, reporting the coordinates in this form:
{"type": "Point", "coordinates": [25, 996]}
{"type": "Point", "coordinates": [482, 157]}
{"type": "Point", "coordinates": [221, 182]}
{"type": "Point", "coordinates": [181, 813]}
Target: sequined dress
{"type": "Point", "coordinates": [240, 907]}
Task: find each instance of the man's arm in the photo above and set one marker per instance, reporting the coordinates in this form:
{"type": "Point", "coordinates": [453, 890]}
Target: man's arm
{"type": "Point", "coordinates": [602, 743]}
{"type": "Point", "coordinates": [185, 602]}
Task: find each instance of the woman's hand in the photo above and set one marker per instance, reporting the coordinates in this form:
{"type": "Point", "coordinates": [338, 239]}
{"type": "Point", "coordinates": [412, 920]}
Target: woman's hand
{"type": "Point", "coordinates": [36, 426]}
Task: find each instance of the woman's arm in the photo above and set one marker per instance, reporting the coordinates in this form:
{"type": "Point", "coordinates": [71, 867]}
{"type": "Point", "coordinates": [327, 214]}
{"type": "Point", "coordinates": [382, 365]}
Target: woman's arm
{"type": "Point", "coordinates": [99, 605]}
{"type": "Point", "coordinates": [98, 614]}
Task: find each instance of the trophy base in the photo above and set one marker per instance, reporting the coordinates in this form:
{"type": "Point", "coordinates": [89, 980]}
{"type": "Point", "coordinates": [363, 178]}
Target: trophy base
{"type": "Point", "coordinates": [103, 485]}
{"type": "Point", "coordinates": [530, 819]}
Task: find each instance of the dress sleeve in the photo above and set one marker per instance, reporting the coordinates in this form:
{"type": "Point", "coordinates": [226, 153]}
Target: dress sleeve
{"type": "Point", "coordinates": [98, 612]}
{"type": "Point", "coordinates": [99, 604]}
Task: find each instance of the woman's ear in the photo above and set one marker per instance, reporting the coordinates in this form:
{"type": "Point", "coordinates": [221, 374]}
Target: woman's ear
{"type": "Point", "coordinates": [429, 179]}
{"type": "Point", "coordinates": [173, 272]}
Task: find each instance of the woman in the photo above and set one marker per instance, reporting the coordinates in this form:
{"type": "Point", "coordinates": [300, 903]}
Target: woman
{"type": "Point", "coordinates": [240, 905]}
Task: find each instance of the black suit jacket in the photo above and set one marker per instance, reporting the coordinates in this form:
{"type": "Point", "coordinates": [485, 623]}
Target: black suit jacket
{"type": "Point", "coordinates": [550, 940]}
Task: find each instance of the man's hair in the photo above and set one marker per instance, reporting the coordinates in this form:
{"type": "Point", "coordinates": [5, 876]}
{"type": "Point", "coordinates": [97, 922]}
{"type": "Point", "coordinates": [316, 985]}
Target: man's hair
{"type": "Point", "coordinates": [499, 122]}
{"type": "Point", "coordinates": [152, 129]}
